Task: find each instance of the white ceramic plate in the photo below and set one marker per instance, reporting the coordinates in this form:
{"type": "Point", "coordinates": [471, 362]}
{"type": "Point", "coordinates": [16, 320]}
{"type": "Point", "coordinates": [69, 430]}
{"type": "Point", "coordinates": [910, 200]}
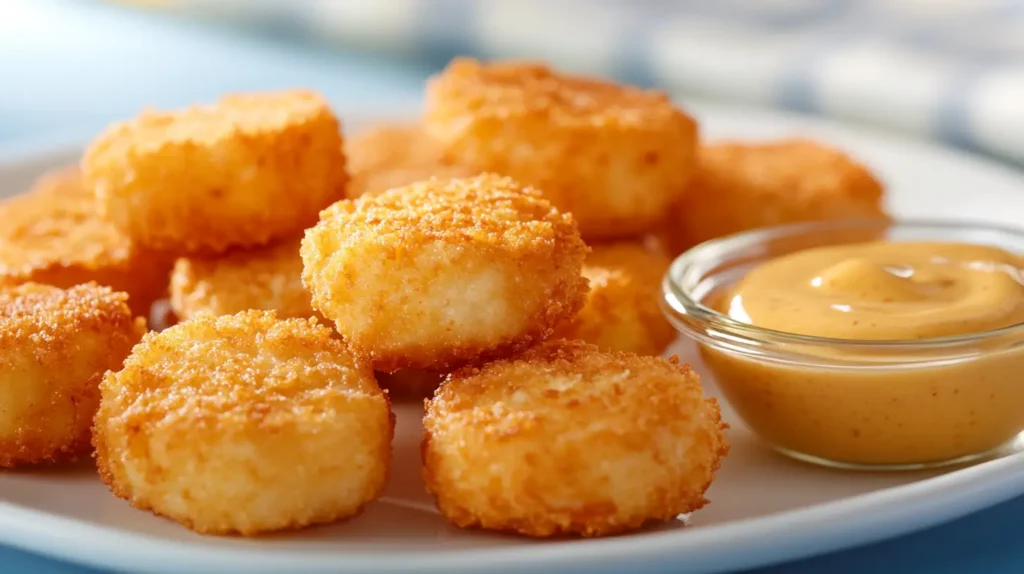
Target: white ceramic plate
{"type": "Point", "coordinates": [764, 508]}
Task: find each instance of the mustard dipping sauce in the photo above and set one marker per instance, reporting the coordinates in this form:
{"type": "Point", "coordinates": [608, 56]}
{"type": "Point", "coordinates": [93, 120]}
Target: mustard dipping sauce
{"type": "Point", "coordinates": [890, 412]}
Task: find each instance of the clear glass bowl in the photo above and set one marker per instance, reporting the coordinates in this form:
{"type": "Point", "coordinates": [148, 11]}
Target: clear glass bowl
{"type": "Point", "coordinates": [850, 403]}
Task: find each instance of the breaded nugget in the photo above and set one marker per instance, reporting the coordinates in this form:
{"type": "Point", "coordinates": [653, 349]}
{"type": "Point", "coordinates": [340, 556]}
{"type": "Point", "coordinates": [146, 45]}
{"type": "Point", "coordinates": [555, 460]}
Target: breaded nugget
{"type": "Point", "coordinates": [52, 234]}
{"type": "Point", "coordinates": [743, 186]}
{"type": "Point", "coordinates": [614, 156]}
{"type": "Point", "coordinates": [567, 439]}
{"type": "Point", "coordinates": [244, 424]}
{"type": "Point", "coordinates": [239, 173]}
{"type": "Point", "coordinates": [622, 312]}
{"type": "Point", "coordinates": [395, 156]}
{"type": "Point", "coordinates": [444, 272]}
{"type": "Point", "coordinates": [410, 384]}
{"type": "Point", "coordinates": [268, 278]}
{"type": "Point", "coordinates": [56, 344]}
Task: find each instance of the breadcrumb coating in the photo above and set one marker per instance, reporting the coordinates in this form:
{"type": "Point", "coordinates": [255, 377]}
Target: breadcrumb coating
{"type": "Point", "coordinates": [567, 439]}
{"type": "Point", "coordinates": [53, 234]}
{"type": "Point", "coordinates": [742, 186]}
{"type": "Point", "coordinates": [239, 173]}
{"type": "Point", "coordinates": [616, 157]}
{"type": "Point", "coordinates": [56, 345]}
{"type": "Point", "coordinates": [243, 424]}
{"type": "Point", "coordinates": [622, 312]}
{"type": "Point", "coordinates": [396, 155]}
{"type": "Point", "coordinates": [268, 278]}
{"type": "Point", "coordinates": [444, 273]}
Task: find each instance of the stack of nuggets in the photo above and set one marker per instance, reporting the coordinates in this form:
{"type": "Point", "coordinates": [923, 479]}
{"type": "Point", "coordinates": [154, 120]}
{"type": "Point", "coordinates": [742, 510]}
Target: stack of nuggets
{"type": "Point", "coordinates": [449, 252]}
{"type": "Point", "coordinates": [186, 427]}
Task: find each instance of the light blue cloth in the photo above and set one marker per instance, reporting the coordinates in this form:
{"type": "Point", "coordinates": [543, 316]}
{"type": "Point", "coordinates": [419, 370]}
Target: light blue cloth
{"type": "Point", "coordinates": [946, 69]}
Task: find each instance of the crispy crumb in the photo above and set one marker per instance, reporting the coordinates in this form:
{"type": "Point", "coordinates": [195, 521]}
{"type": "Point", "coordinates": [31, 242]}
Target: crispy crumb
{"type": "Point", "coordinates": [444, 272]}
{"type": "Point", "coordinates": [244, 424]}
{"type": "Point", "coordinates": [622, 312]}
{"type": "Point", "coordinates": [239, 173]}
{"type": "Point", "coordinates": [566, 439]}
{"type": "Point", "coordinates": [56, 344]}
{"type": "Point", "coordinates": [614, 156]}
{"type": "Point", "coordinates": [396, 155]}
{"type": "Point", "coordinates": [53, 234]}
{"type": "Point", "coordinates": [742, 186]}
{"type": "Point", "coordinates": [268, 278]}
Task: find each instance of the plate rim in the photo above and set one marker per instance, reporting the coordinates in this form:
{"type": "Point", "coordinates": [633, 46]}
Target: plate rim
{"type": "Point", "coordinates": [939, 499]}
{"type": "Point", "coordinates": [923, 504]}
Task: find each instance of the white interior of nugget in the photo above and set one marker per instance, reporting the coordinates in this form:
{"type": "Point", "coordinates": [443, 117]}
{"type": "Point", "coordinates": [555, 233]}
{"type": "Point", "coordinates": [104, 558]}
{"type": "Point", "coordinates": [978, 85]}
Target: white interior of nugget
{"type": "Point", "coordinates": [446, 295]}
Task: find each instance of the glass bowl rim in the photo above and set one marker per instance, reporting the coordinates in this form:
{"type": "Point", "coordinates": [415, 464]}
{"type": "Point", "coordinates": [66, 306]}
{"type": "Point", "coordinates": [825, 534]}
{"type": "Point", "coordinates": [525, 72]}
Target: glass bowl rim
{"type": "Point", "coordinates": [677, 299]}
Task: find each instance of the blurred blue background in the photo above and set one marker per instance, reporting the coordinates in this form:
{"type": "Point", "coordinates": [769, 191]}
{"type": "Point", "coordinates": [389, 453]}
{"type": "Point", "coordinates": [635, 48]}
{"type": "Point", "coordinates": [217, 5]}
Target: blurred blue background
{"type": "Point", "coordinates": [951, 70]}
{"type": "Point", "coordinates": [942, 69]}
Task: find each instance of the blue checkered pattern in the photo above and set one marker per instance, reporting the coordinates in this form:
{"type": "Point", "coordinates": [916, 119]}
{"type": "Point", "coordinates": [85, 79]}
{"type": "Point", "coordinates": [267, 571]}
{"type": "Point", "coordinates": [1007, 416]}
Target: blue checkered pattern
{"type": "Point", "coordinates": [951, 70]}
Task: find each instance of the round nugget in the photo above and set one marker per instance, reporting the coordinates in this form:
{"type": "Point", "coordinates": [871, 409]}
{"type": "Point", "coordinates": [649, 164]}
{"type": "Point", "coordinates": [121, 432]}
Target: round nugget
{"type": "Point", "coordinates": [244, 424]}
{"type": "Point", "coordinates": [268, 278]}
{"type": "Point", "coordinates": [614, 156]}
{"type": "Point", "coordinates": [53, 234]}
{"type": "Point", "coordinates": [622, 312]}
{"type": "Point", "coordinates": [567, 439]}
{"type": "Point", "coordinates": [746, 186]}
{"type": "Point", "coordinates": [395, 156]}
{"type": "Point", "coordinates": [445, 272]}
{"type": "Point", "coordinates": [56, 346]}
{"type": "Point", "coordinates": [239, 173]}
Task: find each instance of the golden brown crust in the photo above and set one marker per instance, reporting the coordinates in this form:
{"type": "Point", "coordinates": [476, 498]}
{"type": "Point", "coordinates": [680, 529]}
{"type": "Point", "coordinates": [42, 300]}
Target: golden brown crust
{"type": "Point", "coordinates": [614, 156]}
{"type": "Point", "coordinates": [396, 155]}
{"type": "Point", "coordinates": [743, 186]}
{"type": "Point", "coordinates": [53, 234]}
{"type": "Point", "coordinates": [268, 278]}
{"type": "Point", "coordinates": [566, 439]}
{"type": "Point", "coordinates": [242, 172]}
{"type": "Point", "coordinates": [56, 346]}
{"type": "Point", "coordinates": [444, 272]}
{"type": "Point", "coordinates": [622, 312]}
{"type": "Point", "coordinates": [244, 424]}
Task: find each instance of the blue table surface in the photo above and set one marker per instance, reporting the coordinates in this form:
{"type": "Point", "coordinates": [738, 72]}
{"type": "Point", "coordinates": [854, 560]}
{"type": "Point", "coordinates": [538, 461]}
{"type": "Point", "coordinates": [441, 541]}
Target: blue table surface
{"type": "Point", "coordinates": [69, 68]}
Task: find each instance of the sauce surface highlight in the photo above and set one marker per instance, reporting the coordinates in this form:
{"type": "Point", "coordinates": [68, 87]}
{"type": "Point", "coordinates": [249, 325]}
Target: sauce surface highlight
{"type": "Point", "coordinates": [884, 291]}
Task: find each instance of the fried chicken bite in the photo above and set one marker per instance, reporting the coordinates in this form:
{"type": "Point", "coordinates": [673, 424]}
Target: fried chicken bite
{"type": "Point", "coordinates": [567, 439]}
{"type": "Point", "coordinates": [395, 156]}
{"type": "Point", "coordinates": [622, 312]}
{"type": "Point", "coordinates": [244, 424]}
{"type": "Point", "coordinates": [444, 272]}
{"type": "Point", "coordinates": [239, 173]}
{"type": "Point", "coordinates": [56, 346]}
{"type": "Point", "coordinates": [53, 234]}
{"type": "Point", "coordinates": [268, 278]}
{"type": "Point", "coordinates": [616, 157]}
{"type": "Point", "coordinates": [742, 186]}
